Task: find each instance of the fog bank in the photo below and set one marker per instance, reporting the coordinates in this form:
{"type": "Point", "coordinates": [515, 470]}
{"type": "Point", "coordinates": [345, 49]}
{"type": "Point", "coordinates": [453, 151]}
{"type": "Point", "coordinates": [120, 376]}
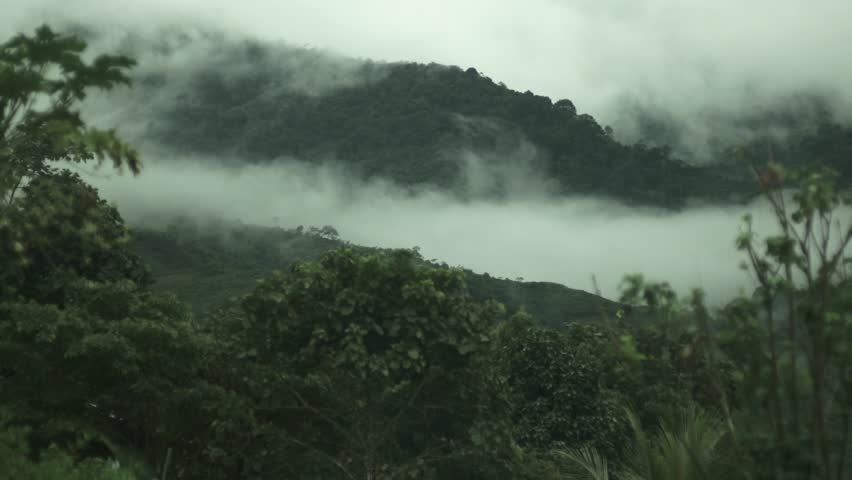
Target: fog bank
{"type": "Point", "coordinates": [563, 240]}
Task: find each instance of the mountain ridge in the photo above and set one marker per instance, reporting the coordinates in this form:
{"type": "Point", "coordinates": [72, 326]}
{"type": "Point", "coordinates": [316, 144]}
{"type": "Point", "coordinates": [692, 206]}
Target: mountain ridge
{"type": "Point", "coordinates": [211, 266]}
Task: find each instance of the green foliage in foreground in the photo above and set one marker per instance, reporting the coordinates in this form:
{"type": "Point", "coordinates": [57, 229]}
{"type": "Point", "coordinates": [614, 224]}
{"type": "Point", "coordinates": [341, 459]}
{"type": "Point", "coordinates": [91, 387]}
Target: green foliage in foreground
{"type": "Point", "coordinates": [54, 465]}
{"type": "Point", "coordinates": [558, 381]}
{"type": "Point", "coordinates": [381, 365]}
{"type": "Point", "coordinates": [17, 461]}
{"type": "Point", "coordinates": [685, 447]}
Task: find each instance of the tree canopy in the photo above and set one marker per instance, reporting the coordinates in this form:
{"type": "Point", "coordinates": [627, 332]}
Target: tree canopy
{"type": "Point", "coordinates": [42, 79]}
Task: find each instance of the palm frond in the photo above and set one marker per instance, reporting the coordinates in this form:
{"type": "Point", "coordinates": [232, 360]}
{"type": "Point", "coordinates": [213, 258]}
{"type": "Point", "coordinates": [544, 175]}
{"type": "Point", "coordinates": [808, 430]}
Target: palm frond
{"type": "Point", "coordinates": [589, 460]}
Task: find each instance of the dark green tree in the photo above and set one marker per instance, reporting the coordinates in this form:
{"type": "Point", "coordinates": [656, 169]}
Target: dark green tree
{"type": "Point", "coordinates": [42, 79]}
{"type": "Point", "coordinates": [382, 366]}
{"type": "Point", "coordinates": [557, 383]}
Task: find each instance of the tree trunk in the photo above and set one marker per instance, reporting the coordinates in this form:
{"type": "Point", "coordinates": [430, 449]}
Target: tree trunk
{"type": "Point", "coordinates": [774, 395]}
{"type": "Point", "coordinates": [794, 351]}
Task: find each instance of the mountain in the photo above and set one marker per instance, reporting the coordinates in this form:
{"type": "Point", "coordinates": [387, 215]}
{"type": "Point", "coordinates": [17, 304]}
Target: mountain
{"type": "Point", "coordinates": [210, 266]}
{"type": "Point", "coordinates": [438, 126]}
{"type": "Point", "coordinates": [420, 126]}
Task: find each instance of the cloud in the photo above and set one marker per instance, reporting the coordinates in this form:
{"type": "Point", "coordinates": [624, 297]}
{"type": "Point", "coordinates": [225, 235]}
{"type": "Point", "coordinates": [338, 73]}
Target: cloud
{"type": "Point", "coordinates": [538, 238]}
{"type": "Point", "coordinates": [176, 56]}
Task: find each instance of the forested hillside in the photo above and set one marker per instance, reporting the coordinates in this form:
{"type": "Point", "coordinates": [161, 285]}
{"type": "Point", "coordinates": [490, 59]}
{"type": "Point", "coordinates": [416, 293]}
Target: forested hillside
{"type": "Point", "coordinates": [412, 123]}
{"type": "Point", "coordinates": [209, 267]}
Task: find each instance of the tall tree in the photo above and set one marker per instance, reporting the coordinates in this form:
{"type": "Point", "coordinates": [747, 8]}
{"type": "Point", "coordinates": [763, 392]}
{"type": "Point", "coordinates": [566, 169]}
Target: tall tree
{"type": "Point", "coordinates": [43, 78]}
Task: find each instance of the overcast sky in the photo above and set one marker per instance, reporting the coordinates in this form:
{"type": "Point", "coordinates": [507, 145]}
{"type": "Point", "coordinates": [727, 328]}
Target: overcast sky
{"type": "Point", "coordinates": [684, 55]}
{"type": "Point", "coordinates": [681, 56]}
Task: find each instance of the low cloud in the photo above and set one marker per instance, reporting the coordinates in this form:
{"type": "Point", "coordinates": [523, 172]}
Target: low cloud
{"type": "Point", "coordinates": [177, 56]}
{"type": "Point", "coordinates": [172, 63]}
{"type": "Point", "coordinates": [540, 238]}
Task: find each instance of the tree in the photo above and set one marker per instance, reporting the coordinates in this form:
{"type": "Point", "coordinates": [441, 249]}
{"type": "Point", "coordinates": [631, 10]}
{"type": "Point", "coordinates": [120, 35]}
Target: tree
{"type": "Point", "coordinates": [327, 232]}
{"type": "Point", "coordinates": [47, 69]}
{"type": "Point", "coordinates": [53, 464]}
{"type": "Point", "coordinates": [566, 105]}
{"type": "Point", "coordinates": [804, 295]}
{"type": "Point", "coordinates": [83, 345]}
{"type": "Point", "coordinates": [788, 413]}
{"type": "Point", "coordinates": [59, 231]}
{"type": "Point", "coordinates": [556, 378]}
{"type": "Point", "coordinates": [382, 363]}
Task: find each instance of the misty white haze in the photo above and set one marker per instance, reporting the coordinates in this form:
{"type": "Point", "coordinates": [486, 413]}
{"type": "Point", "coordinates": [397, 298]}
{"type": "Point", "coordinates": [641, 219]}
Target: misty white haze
{"type": "Point", "coordinates": [685, 58]}
{"type": "Point", "coordinates": [535, 237]}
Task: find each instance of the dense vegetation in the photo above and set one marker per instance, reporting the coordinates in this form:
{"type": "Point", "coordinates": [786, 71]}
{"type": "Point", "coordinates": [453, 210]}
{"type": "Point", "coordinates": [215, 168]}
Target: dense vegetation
{"type": "Point", "coordinates": [411, 123]}
{"type": "Point", "coordinates": [368, 364]}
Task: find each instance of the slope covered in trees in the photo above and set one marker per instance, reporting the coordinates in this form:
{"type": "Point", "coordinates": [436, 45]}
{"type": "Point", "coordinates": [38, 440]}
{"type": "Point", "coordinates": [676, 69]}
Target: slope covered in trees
{"type": "Point", "coordinates": [207, 266]}
{"type": "Point", "coordinates": [411, 123]}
